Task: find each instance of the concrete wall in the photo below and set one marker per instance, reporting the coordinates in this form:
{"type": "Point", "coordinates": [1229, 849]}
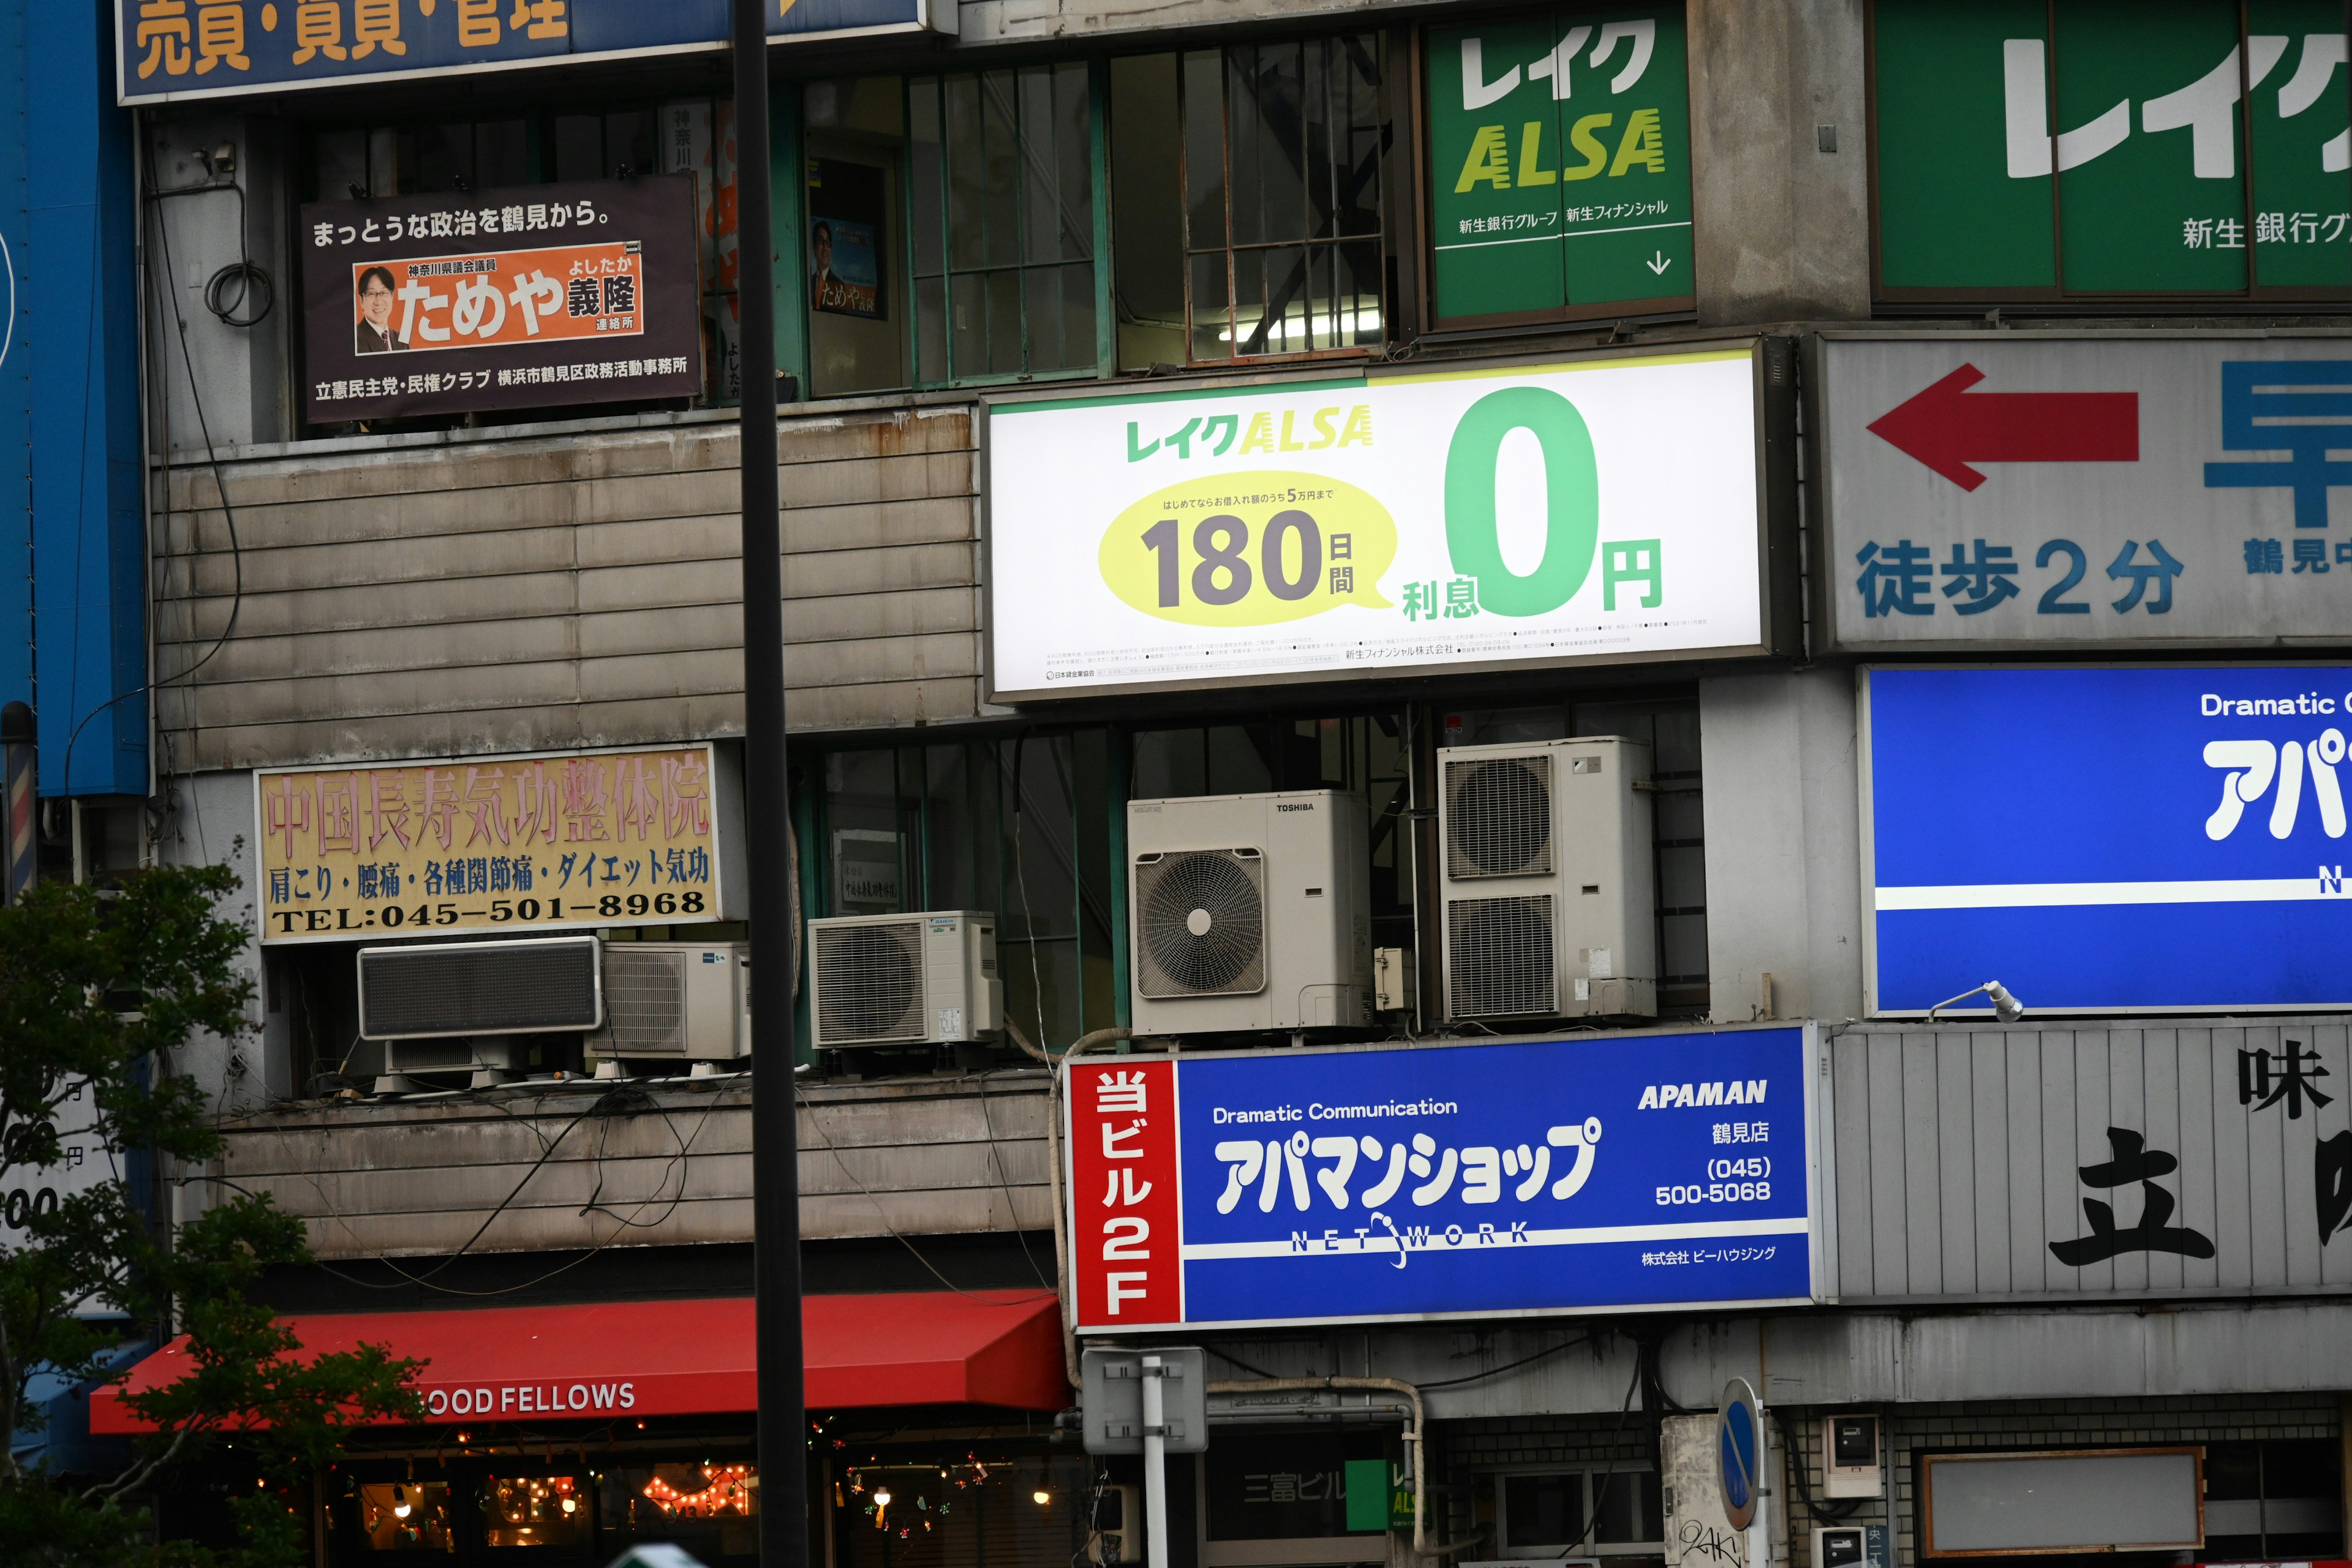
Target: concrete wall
{"type": "Point", "coordinates": [474, 591]}
{"type": "Point", "coordinates": [1783, 852]}
{"type": "Point", "coordinates": [591, 1164]}
{"type": "Point", "coordinates": [1781, 228]}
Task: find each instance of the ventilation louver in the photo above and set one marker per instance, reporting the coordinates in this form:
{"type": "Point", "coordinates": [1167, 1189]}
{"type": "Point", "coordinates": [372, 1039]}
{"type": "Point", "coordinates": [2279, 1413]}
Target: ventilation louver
{"type": "Point", "coordinates": [1499, 957]}
{"type": "Point", "coordinates": [1498, 817]}
{"type": "Point", "coordinates": [644, 1000]}
{"type": "Point", "coordinates": [873, 989]}
{"type": "Point", "coordinates": [479, 988]}
{"type": "Point", "coordinates": [1200, 923]}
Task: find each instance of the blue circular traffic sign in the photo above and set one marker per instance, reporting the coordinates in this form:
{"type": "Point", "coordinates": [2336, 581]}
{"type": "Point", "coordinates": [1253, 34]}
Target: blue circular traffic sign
{"type": "Point", "coordinates": [1738, 1452]}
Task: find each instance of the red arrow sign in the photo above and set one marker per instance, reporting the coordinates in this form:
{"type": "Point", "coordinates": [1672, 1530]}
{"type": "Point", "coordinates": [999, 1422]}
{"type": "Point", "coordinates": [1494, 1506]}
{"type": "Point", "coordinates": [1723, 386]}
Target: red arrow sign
{"type": "Point", "coordinates": [1946, 429]}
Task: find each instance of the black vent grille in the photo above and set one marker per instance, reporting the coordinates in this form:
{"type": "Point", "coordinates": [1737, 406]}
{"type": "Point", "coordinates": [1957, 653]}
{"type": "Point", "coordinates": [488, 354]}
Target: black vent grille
{"type": "Point", "coordinates": [869, 983]}
{"type": "Point", "coordinates": [1498, 817]}
{"type": "Point", "coordinates": [479, 988]}
{"type": "Point", "coordinates": [1499, 958]}
{"type": "Point", "coordinates": [1200, 918]}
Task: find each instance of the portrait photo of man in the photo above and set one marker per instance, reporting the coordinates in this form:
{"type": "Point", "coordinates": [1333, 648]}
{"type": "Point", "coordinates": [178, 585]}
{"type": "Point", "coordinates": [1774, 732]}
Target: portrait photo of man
{"type": "Point", "coordinates": [374, 334]}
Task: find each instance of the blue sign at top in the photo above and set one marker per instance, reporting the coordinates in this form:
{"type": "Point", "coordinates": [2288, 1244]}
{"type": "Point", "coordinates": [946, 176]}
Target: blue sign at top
{"type": "Point", "coordinates": [2110, 841]}
{"type": "Point", "coordinates": [174, 49]}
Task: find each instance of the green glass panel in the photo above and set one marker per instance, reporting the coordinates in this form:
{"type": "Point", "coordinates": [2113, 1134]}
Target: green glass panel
{"type": "Point", "coordinates": [2148, 115]}
{"type": "Point", "coordinates": [1560, 163]}
{"type": "Point", "coordinates": [2302, 209]}
{"type": "Point", "coordinates": [1951, 212]}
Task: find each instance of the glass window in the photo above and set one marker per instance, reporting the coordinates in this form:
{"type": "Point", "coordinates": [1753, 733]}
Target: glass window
{"type": "Point", "coordinates": [1609, 1512]}
{"type": "Point", "coordinates": [411, 1516]}
{"type": "Point", "coordinates": [1275, 168]}
{"type": "Point", "coordinates": [711, 1508]}
{"type": "Point", "coordinates": [535, 1511]}
{"type": "Point", "coordinates": [854, 135]}
{"type": "Point", "coordinates": [2278, 1499]}
{"type": "Point", "coordinates": [902, 1507]}
{"type": "Point", "coordinates": [1002, 222]}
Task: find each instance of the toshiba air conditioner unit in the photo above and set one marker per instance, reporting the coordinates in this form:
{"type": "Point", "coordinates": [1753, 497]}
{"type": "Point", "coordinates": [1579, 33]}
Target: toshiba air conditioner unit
{"type": "Point", "coordinates": [904, 979]}
{"type": "Point", "coordinates": [1251, 913]}
{"type": "Point", "coordinates": [1547, 880]}
{"type": "Point", "coordinates": [683, 1001]}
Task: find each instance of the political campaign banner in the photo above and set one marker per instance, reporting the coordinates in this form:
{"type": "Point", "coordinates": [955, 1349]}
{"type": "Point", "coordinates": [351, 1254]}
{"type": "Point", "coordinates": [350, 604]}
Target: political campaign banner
{"type": "Point", "coordinates": [523, 297]}
{"type": "Point", "coordinates": [2132, 839]}
{"type": "Point", "coordinates": [1367, 1183]}
{"type": "Point", "coordinates": [1577, 512]}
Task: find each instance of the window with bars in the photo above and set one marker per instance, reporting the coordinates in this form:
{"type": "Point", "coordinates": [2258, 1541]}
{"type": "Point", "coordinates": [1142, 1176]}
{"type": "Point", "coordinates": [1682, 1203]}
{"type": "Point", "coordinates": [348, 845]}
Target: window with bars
{"type": "Point", "coordinates": [1002, 221]}
{"type": "Point", "coordinates": [1269, 156]}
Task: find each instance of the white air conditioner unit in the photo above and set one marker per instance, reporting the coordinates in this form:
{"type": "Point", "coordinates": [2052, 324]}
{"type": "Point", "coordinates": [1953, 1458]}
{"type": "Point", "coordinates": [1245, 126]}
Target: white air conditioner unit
{"type": "Point", "coordinates": [1251, 913]}
{"type": "Point", "coordinates": [1546, 880]}
{"type": "Point", "coordinates": [904, 979]}
{"type": "Point", "coordinates": [682, 1000]}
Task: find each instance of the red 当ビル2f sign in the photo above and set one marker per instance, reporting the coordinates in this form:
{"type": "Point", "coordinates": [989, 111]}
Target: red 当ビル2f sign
{"type": "Point", "coordinates": [1126, 1263]}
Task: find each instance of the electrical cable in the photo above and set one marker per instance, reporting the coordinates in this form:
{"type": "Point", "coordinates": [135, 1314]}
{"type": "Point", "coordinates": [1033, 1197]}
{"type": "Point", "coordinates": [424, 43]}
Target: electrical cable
{"type": "Point", "coordinates": [1799, 1471]}
{"type": "Point", "coordinates": [1601, 1492]}
{"type": "Point", "coordinates": [1511, 1366]}
{"type": "Point", "coordinates": [801, 1100]}
{"type": "Point", "coordinates": [212, 458]}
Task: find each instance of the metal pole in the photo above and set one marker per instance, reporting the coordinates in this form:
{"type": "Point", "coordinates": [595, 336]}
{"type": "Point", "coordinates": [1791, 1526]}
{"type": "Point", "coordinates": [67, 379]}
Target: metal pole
{"type": "Point", "coordinates": [1155, 1463]}
{"type": "Point", "coordinates": [16, 738]}
{"type": "Point", "coordinates": [775, 1200]}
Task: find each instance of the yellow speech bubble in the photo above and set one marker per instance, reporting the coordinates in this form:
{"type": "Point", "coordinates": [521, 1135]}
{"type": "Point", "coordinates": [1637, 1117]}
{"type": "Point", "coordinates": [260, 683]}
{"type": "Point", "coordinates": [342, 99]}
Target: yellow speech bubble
{"type": "Point", "coordinates": [1250, 550]}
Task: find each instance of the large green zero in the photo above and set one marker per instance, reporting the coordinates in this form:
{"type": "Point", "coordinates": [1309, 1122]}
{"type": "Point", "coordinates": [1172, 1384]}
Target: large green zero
{"type": "Point", "coordinates": [1572, 501]}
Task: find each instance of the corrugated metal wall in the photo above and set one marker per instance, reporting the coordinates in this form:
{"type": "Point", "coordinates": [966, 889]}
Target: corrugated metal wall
{"type": "Point", "coordinates": [1963, 1157]}
{"type": "Point", "coordinates": [662, 1166]}
{"type": "Point", "coordinates": [451, 596]}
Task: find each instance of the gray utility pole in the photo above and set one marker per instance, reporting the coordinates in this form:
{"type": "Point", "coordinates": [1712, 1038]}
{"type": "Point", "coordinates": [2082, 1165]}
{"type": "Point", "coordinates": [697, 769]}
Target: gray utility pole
{"type": "Point", "coordinates": [775, 1189]}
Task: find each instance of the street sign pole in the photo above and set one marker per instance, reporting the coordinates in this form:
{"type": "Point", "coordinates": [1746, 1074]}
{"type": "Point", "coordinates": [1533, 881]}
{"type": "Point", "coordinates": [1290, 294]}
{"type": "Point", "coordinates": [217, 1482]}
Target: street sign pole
{"type": "Point", "coordinates": [1155, 1461]}
{"type": "Point", "coordinates": [775, 1181]}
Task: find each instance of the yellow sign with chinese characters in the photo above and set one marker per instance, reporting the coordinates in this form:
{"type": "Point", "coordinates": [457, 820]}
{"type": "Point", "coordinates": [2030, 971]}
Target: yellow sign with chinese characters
{"type": "Point", "coordinates": [488, 843]}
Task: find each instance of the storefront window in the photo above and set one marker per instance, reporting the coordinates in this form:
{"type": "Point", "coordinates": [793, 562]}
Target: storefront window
{"type": "Point", "coordinates": [1299, 1487]}
{"type": "Point", "coordinates": [710, 1508]}
{"type": "Point", "coordinates": [1607, 1512]}
{"type": "Point", "coordinates": [535, 1511]}
{"type": "Point", "coordinates": [405, 1516]}
{"type": "Point", "coordinates": [967, 1508]}
{"type": "Point", "coordinates": [1272, 154]}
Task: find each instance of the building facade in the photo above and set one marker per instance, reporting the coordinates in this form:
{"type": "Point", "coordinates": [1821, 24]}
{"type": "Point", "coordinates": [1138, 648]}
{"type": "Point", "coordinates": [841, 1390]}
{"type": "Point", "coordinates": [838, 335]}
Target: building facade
{"type": "Point", "coordinates": [1269, 493]}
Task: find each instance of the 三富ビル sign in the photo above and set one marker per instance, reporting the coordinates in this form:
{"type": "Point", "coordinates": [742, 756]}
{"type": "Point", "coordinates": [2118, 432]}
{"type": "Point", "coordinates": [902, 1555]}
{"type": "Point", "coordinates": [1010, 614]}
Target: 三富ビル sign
{"type": "Point", "coordinates": [2133, 114]}
{"type": "Point", "coordinates": [515, 299]}
{"type": "Point", "coordinates": [2112, 840]}
{"type": "Point", "coordinates": [509, 843]}
{"type": "Point", "coordinates": [173, 49]}
{"type": "Point", "coordinates": [1559, 167]}
{"type": "Point", "coordinates": [1991, 488]}
{"type": "Point", "coordinates": [1547, 514]}
{"type": "Point", "coordinates": [1368, 1183]}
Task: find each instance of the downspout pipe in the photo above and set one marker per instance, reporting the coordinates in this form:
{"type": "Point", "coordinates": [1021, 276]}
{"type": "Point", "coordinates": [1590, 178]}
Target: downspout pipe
{"type": "Point", "coordinates": [1054, 1169]}
{"type": "Point", "coordinates": [1420, 1438]}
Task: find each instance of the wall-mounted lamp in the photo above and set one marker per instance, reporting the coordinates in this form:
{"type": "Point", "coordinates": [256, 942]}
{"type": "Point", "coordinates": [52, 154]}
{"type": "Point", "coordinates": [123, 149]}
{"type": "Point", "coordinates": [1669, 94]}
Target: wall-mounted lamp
{"type": "Point", "coordinates": [2005, 1007]}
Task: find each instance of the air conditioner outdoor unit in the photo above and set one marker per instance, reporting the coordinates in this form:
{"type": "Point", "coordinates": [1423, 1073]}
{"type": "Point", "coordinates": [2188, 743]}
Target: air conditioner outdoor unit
{"type": "Point", "coordinates": [453, 1007]}
{"type": "Point", "coordinates": [533, 986]}
{"type": "Point", "coordinates": [927, 978]}
{"type": "Point", "coordinates": [683, 1000]}
{"type": "Point", "coordinates": [1546, 880]}
{"type": "Point", "coordinates": [1251, 913]}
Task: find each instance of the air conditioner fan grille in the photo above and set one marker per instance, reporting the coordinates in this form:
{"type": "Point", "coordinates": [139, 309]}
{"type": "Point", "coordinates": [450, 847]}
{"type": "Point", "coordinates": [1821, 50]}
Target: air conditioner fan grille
{"type": "Point", "coordinates": [1498, 816]}
{"type": "Point", "coordinates": [1499, 957]}
{"type": "Point", "coordinates": [1200, 923]}
{"type": "Point", "coordinates": [869, 983]}
{"type": "Point", "coordinates": [645, 999]}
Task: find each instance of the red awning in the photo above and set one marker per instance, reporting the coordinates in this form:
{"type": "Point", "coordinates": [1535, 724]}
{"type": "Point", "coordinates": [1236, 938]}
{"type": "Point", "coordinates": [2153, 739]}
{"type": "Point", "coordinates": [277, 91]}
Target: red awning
{"type": "Point", "coordinates": [608, 1360]}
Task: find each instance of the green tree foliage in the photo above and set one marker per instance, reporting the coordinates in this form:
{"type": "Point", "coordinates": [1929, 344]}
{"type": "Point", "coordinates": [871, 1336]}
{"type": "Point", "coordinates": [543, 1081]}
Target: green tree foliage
{"type": "Point", "coordinates": [99, 991]}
